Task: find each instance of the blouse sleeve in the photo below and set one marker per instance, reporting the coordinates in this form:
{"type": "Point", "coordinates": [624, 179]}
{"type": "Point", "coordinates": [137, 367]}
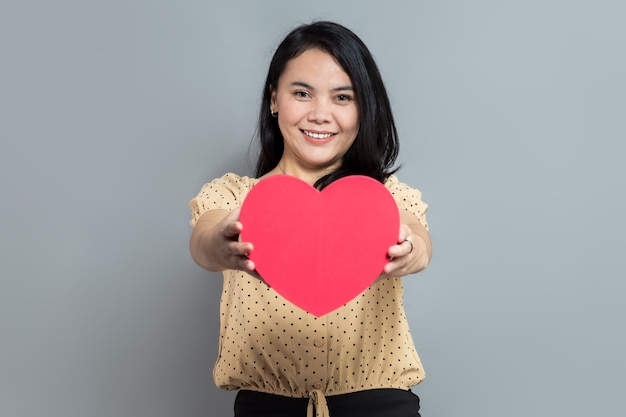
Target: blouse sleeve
{"type": "Point", "coordinates": [408, 198]}
{"type": "Point", "coordinates": [224, 193]}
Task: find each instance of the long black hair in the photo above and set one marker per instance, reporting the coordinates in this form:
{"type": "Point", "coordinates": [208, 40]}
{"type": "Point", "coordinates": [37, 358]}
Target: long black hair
{"type": "Point", "coordinates": [376, 146]}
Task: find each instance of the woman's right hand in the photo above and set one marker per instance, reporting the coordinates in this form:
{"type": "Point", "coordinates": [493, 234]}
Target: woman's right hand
{"type": "Point", "coordinates": [215, 244]}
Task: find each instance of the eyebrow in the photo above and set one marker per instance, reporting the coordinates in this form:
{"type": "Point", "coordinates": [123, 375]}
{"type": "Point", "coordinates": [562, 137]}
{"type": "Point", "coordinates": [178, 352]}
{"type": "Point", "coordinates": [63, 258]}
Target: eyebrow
{"type": "Point", "coordinates": [310, 87]}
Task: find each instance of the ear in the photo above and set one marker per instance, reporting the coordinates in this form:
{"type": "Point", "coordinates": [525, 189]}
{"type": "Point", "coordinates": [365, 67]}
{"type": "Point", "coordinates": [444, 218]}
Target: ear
{"type": "Point", "coordinates": [273, 106]}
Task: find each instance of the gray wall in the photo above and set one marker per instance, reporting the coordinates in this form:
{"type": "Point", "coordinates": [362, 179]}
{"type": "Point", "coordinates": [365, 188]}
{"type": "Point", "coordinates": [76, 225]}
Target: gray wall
{"type": "Point", "coordinates": [114, 113]}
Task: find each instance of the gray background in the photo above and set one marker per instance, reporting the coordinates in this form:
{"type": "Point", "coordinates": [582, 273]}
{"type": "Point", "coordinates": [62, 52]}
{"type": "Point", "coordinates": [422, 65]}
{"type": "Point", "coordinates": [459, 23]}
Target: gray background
{"type": "Point", "coordinates": [114, 113]}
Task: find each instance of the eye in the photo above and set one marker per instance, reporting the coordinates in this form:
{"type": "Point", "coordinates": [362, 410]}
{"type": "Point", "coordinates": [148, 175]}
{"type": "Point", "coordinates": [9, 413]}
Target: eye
{"type": "Point", "coordinates": [344, 98]}
{"type": "Point", "coordinates": [301, 94]}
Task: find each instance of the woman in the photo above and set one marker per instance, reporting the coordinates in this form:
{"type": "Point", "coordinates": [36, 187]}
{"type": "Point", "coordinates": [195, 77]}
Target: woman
{"type": "Point", "coordinates": [325, 114]}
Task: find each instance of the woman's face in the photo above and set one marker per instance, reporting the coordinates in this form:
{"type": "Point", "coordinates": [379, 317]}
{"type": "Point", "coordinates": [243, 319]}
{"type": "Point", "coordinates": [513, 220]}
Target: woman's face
{"type": "Point", "coordinates": [317, 113]}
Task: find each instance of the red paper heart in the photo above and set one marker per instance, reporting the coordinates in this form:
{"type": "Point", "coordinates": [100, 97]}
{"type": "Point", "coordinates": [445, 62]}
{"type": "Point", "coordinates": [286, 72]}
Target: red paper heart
{"type": "Point", "coordinates": [319, 250]}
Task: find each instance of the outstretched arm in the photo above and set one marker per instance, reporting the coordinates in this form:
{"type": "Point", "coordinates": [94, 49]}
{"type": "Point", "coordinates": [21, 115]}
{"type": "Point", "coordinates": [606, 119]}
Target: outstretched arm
{"type": "Point", "coordinates": [413, 251]}
{"type": "Point", "coordinates": [215, 244]}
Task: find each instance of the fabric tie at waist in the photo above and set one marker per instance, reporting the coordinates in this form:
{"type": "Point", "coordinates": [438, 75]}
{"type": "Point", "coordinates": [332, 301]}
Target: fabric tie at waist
{"type": "Point", "coordinates": [317, 405]}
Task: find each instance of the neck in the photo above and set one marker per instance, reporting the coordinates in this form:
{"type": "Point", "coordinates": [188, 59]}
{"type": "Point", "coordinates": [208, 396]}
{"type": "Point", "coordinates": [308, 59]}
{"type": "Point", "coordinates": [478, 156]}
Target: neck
{"type": "Point", "coordinates": [309, 175]}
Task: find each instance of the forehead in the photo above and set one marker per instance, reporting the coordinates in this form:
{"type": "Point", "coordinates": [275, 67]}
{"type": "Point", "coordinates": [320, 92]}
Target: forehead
{"type": "Point", "coordinates": [314, 64]}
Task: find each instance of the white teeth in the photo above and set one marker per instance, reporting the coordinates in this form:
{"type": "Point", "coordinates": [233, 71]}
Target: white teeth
{"type": "Point", "coordinates": [318, 135]}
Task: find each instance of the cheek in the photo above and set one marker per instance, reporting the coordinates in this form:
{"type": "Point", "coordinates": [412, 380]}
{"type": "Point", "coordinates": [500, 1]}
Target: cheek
{"type": "Point", "coordinates": [350, 120]}
{"type": "Point", "coordinates": [287, 126]}
{"type": "Point", "coordinates": [289, 114]}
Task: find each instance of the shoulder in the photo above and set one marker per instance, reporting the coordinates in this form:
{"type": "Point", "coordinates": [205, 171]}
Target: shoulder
{"type": "Point", "coordinates": [233, 182]}
{"type": "Point", "coordinates": [407, 198]}
{"type": "Point", "coordinates": [224, 193]}
{"type": "Point", "coordinates": [395, 186]}
{"type": "Point", "coordinates": [229, 184]}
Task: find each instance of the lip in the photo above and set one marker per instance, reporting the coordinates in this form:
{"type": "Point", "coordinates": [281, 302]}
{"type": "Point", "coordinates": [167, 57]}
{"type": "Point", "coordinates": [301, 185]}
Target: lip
{"type": "Point", "coordinates": [318, 140]}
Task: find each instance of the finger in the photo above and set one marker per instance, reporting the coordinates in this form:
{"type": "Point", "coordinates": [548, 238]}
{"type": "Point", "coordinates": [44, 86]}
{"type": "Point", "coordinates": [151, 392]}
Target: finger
{"type": "Point", "coordinates": [232, 230]}
{"type": "Point", "coordinates": [408, 242]}
{"type": "Point", "coordinates": [238, 249]}
{"type": "Point", "coordinates": [248, 266]}
{"type": "Point", "coordinates": [245, 264]}
{"type": "Point", "coordinates": [395, 268]}
{"type": "Point", "coordinates": [246, 248]}
{"type": "Point", "coordinates": [404, 233]}
{"type": "Point", "coordinates": [393, 252]}
{"type": "Point", "coordinates": [236, 258]}
{"type": "Point", "coordinates": [401, 249]}
{"type": "Point", "coordinates": [388, 268]}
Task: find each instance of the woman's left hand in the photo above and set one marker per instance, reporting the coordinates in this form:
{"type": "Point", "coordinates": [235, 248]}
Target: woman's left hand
{"type": "Point", "coordinates": [411, 254]}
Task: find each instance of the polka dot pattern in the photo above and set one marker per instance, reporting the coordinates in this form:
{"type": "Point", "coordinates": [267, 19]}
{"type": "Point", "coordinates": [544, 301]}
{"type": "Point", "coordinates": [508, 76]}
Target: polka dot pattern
{"type": "Point", "coordinates": [267, 344]}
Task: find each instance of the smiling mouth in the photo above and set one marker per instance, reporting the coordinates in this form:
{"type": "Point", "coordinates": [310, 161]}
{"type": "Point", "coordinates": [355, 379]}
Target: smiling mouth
{"type": "Point", "coordinates": [317, 135]}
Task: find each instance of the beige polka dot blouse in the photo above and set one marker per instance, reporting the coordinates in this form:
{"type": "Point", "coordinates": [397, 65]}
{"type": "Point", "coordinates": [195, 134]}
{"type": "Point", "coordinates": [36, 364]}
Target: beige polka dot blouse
{"type": "Point", "coordinates": [269, 345]}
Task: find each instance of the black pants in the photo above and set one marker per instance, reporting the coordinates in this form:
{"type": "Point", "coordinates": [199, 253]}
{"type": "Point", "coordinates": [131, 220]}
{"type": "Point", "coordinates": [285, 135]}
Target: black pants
{"type": "Point", "coordinates": [368, 403]}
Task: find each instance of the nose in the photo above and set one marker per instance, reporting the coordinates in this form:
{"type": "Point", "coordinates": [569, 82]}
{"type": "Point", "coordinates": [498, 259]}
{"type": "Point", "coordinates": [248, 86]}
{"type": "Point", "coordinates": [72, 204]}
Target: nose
{"type": "Point", "coordinates": [320, 112]}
